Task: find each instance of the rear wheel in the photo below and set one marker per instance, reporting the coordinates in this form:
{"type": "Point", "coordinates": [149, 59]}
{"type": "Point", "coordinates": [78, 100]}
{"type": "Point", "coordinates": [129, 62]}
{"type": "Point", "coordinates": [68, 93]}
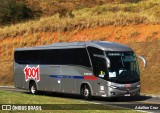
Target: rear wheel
{"type": "Point", "coordinates": [33, 88]}
{"type": "Point", "coordinates": [86, 92]}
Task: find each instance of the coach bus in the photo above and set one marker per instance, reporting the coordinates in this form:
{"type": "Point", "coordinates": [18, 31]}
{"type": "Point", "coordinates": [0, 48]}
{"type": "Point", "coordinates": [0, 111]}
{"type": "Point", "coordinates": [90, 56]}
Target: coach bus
{"type": "Point", "coordinates": [96, 68]}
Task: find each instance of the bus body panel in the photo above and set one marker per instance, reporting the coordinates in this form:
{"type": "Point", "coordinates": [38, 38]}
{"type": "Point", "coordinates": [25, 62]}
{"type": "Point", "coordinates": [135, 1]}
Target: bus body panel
{"type": "Point", "coordinates": [17, 75]}
{"type": "Point", "coordinates": [54, 85]}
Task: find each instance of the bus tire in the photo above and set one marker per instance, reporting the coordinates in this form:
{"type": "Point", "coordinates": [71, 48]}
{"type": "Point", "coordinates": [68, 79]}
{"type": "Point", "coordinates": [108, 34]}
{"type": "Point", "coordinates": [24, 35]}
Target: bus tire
{"type": "Point", "coordinates": [33, 88]}
{"type": "Point", "coordinates": [86, 92]}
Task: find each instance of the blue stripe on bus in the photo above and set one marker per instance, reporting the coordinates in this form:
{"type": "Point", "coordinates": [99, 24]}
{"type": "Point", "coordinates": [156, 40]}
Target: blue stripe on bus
{"type": "Point", "coordinates": [66, 76]}
{"type": "Point", "coordinates": [53, 76]}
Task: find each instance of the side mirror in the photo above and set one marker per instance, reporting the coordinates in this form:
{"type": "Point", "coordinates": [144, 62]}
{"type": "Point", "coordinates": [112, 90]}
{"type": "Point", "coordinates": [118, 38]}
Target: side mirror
{"type": "Point", "coordinates": [143, 59]}
{"type": "Point", "coordinates": [108, 62]}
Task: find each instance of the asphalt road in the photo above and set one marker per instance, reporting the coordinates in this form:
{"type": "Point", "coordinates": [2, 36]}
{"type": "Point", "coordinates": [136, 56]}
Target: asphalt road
{"type": "Point", "coordinates": [122, 102]}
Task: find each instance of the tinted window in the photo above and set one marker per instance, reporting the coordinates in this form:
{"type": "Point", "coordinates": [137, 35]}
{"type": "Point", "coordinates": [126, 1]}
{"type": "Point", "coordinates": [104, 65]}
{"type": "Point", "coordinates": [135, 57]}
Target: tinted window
{"type": "Point", "coordinates": [77, 56]}
{"type": "Point", "coordinates": [92, 51]}
{"type": "Point", "coordinates": [124, 67]}
{"type": "Point", "coordinates": [100, 68]}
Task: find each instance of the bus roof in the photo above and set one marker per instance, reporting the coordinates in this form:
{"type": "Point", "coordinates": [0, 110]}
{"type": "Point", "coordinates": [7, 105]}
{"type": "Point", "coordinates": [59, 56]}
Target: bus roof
{"type": "Point", "coordinates": [103, 45]}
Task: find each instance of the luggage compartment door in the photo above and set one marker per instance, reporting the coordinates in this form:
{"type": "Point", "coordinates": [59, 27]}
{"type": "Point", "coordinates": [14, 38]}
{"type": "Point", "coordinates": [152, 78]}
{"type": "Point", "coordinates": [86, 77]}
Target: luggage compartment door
{"type": "Point", "coordinates": [55, 78]}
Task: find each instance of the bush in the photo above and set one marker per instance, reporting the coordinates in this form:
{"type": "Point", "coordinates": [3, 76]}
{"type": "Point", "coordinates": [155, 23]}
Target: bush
{"type": "Point", "coordinates": [12, 11]}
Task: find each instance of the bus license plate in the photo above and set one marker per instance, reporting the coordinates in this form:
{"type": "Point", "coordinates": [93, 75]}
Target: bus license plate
{"type": "Point", "coordinates": [127, 95]}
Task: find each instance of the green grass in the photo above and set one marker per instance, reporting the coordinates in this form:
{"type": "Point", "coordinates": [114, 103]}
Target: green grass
{"type": "Point", "coordinates": [23, 98]}
{"type": "Point", "coordinates": [144, 12]}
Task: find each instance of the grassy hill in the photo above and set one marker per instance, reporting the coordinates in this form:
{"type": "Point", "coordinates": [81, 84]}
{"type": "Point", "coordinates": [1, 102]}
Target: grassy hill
{"type": "Point", "coordinates": [134, 24]}
{"type": "Point", "coordinates": [144, 12]}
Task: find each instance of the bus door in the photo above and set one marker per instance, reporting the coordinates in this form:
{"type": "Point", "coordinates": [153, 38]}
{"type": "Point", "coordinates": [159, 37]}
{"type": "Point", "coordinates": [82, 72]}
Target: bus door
{"type": "Point", "coordinates": [100, 70]}
{"type": "Point", "coordinates": [55, 78]}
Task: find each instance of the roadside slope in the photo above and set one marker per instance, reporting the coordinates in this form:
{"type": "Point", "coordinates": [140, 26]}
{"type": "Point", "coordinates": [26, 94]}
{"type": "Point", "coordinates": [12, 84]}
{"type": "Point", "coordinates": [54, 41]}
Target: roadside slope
{"type": "Point", "coordinates": [144, 39]}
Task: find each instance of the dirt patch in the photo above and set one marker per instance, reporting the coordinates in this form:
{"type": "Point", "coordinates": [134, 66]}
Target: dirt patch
{"type": "Point", "coordinates": [150, 76]}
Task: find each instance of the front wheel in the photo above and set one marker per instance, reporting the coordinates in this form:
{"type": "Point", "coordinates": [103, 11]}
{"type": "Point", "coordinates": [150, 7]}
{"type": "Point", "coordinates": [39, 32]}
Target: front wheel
{"type": "Point", "coordinates": [33, 88]}
{"type": "Point", "coordinates": [86, 92]}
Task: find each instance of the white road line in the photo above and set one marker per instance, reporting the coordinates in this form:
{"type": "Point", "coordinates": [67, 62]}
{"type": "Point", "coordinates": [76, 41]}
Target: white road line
{"type": "Point", "coordinates": [118, 107]}
{"type": "Point", "coordinates": [7, 87]}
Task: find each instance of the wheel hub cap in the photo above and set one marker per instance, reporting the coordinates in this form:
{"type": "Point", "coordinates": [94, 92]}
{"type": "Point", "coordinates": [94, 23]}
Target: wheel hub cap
{"type": "Point", "coordinates": [86, 92]}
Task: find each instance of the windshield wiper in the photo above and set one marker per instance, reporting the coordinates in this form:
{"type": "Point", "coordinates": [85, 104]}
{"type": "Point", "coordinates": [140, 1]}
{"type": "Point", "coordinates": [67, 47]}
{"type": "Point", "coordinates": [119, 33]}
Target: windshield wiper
{"type": "Point", "coordinates": [122, 62]}
{"type": "Point", "coordinates": [119, 77]}
{"type": "Point", "coordinates": [127, 73]}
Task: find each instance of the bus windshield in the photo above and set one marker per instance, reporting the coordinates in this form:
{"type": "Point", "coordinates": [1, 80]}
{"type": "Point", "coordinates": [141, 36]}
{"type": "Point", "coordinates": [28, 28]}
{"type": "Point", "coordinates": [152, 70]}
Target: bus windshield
{"type": "Point", "coordinates": [123, 67]}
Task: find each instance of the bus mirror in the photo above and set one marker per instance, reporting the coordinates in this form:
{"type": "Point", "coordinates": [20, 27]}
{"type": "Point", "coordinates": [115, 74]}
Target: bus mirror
{"type": "Point", "coordinates": [108, 62]}
{"type": "Point", "coordinates": [143, 59]}
{"type": "Point", "coordinates": [104, 57]}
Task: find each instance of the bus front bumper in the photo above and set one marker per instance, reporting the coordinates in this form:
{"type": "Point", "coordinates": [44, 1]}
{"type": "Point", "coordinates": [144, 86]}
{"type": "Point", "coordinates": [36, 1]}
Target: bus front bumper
{"type": "Point", "coordinates": [118, 93]}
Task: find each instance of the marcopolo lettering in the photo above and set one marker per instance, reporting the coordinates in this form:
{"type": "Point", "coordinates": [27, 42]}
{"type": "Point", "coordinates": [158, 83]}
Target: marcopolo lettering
{"type": "Point", "coordinates": [32, 73]}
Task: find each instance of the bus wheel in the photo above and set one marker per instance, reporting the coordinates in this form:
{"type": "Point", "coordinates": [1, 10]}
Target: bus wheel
{"type": "Point", "coordinates": [86, 92]}
{"type": "Point", "coordinates": [33, 88]}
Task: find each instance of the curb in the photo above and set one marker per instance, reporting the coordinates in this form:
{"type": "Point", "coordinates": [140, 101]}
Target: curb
{"type": "Point", "coordinates": [152, 95]}
{"type": "Point", "coordinates": [7, 87]}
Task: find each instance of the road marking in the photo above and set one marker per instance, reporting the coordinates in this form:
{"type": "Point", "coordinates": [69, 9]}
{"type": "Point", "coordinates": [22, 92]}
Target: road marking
{"type": "Point", "coordinates": [117, 106]}
{"type": "Point", "coordinates": [7, 87]}
{"type": "Point", "coordinates": [104, 104]}
{"type": "Point", "coordinates": [147, 102]}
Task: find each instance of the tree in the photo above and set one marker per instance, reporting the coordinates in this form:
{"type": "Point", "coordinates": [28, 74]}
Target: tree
{"type": "Point", "coordinates": [12, 11]}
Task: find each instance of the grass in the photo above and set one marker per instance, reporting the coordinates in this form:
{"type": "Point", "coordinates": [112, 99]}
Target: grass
{"type": "Point", "coordinates": [134, 34]}
{"type": "Point", "coordinates": [149, 75]}
{"type": "Point", "coordinates": [144, 12]}
{"type": "Point", "coordinates": [6, 73]}
{"type": "Point", "coordinates": [23, 98]}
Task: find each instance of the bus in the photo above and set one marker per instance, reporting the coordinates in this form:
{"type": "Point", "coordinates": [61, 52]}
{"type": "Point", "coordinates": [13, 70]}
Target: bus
{"type": "Point", "coordinates": [95, 68]}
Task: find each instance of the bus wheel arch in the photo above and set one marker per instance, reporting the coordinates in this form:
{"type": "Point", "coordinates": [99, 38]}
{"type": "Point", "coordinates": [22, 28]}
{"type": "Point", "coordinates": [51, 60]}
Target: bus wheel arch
{"type": "Point", "coordinates": [86, 91]}
{"type": "Point", "coordinates": [33, 87]}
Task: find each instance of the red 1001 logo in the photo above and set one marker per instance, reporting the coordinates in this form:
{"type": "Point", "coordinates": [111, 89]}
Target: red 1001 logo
{"type": "Point", "coordinates": [32, 73]}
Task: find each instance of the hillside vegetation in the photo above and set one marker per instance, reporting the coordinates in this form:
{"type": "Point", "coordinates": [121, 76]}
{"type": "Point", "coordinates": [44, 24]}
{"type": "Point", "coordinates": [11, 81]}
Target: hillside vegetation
{"type": "Point", "coordinates": [143, 12]}
{"type": "Point", "coordinates": [14, 11]}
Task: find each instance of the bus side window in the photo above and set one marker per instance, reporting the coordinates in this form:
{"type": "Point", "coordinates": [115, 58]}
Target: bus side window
{"type": "Point", "coordinates": [92, 51]}
{"type": "Point", "coordinates": [100, 68]}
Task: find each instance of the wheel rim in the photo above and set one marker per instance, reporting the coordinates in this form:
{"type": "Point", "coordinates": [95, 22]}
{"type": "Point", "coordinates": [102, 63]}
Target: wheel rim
{"type": "Point", "coordinates": [33, 89]}
{"type": "Point", "coordinates": [86, 92]}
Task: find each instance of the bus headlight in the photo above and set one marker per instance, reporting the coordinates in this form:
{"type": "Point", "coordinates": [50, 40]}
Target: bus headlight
{"type": "Point", "coordinates": [138, 85]}
{"type": "Point", "coordinates": [114, 87]}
